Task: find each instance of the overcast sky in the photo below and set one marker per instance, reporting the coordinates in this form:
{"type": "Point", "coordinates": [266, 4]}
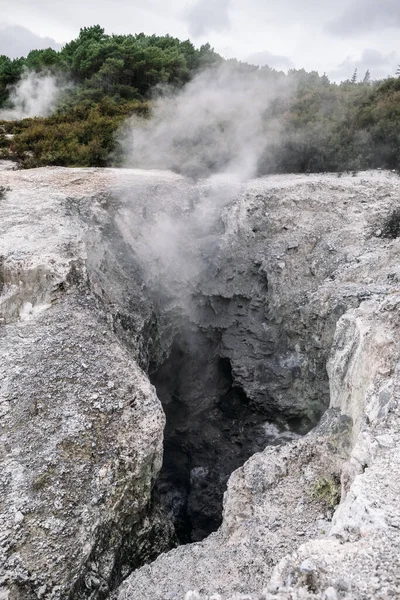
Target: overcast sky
{"type": "Point", "coordinates": [332, 37]}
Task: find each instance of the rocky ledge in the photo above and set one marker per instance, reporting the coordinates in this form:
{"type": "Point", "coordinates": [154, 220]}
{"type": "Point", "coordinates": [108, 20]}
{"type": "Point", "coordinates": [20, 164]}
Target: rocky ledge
{"type": "Point", "coordinates": [260, 312]}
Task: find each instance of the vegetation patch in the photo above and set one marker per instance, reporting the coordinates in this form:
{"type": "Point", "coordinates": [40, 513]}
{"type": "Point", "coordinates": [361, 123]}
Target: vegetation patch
{"type": "Point", "coordinates": [3, 192]}
{"type": "Point", "coordinates": [327, 491]}
{"type": "Point", "coordinates": [323, 126]}
{"type": "Point", "coordinates": [78, 137]}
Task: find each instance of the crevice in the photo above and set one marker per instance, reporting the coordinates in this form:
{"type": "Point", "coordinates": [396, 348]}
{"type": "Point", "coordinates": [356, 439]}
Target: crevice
{"type": "Point", "coordinates": [234, 369]}
{"type": "Point", "coordinates": [212, 429]}
{"type": "Point", "coordinates": [391, 225]}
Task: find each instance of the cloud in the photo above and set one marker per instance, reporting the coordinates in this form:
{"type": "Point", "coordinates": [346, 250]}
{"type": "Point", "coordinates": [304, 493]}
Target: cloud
{"type": "Point", "coordinates": [366, 16]}
{"type": "Point", "coordinates": [380, 65]}
{"type": "Point", "coordinates": [16, 41]}
{"type": "Point", "coordinates": [206, 16]}
{"type": "Point", "coordinates": [268, 58]}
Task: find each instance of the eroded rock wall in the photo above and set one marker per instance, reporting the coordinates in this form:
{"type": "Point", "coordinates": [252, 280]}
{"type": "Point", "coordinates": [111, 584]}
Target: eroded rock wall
{"type": "Point", "coordinates": [339, 264]}
{"type": "Point", "coordinates": [359, 559]}
{"type": "Point", "coordinates": [107, 272]}
{"type": "Point", "coordinates": [81, 426]}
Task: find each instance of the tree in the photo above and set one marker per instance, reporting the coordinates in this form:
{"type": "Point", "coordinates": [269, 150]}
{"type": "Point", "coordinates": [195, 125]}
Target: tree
{"type": "Point", "coordinates": [10, 72]}
{"type": "Point", "coordinates": [39, 60]}
{"type": "Point", "coordinates": [325, 79]}
{"type": "Point", "coordinates": [367, 76]}
{"type": "Point", "coordinates": [354, 78]}
{"type": "Point", "coordinates": [398, 71]}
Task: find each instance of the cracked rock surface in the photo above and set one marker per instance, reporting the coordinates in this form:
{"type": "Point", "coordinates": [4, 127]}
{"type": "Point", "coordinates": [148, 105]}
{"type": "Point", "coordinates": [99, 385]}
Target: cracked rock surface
{"type": "Point", "coordinates": [285, 291]}
{"type": "Point", "coordinates": [333, 288]}
{"type": "Point", "coordinates": [81, 428]}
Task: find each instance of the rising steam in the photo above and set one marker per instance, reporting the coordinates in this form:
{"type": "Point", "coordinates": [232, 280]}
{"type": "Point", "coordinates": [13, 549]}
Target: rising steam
{"type": "Point", "coordinates": [35, 95]}
{"type": "Point", "coordinates": [215, 124]}
{"type": "Point", "coordinates": [213, 133]}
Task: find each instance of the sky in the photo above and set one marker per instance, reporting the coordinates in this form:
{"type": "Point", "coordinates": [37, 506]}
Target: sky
{"type": "Point", "coordinates": [331, 37]}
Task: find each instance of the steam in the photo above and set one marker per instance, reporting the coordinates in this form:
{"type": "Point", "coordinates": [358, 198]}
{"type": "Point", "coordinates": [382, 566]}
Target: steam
{"type": "Point", "coordinates": [213, 134]}
{"type": "Point", "coordinates": [35, 95]}
{"type": "Point", "coordinates": [216, 124]}
{"type": "Point", "coordinates": [176, 228]}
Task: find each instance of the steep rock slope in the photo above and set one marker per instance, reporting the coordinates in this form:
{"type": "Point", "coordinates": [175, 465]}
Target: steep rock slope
{"type": "Point", "coordinates": [250, 281]}
{"type": "Point", "coordinates": [359, 559]}
{"type": "Point", "coordinates": [81, 426]}
{"type": "Point", "coordinates": [228, 295]}
{"type": "Point", "coordinates": [324, 252]}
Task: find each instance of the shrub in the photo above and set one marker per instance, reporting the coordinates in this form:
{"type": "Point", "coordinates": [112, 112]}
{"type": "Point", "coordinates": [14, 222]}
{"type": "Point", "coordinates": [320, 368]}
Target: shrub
{"type": "Point", "coordinates": [327, 490]}
{"type": "Point", "coordinates": [82, 136]}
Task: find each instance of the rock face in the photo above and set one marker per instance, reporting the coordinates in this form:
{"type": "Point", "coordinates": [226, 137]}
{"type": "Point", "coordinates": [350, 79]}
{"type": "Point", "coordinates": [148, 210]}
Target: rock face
{"type": "Point", "coordinates": [359, 559]}
{"type": "Point", "coordinates": [234, 299]}
{"type": "Point", "coordinates": [328, 267]}
{"type": "Point", "coordinates": [252, 289]}
{"type": "Point", "coordinates": [81, 426]}
{"type": "Point", "coordinates": [284, 496]}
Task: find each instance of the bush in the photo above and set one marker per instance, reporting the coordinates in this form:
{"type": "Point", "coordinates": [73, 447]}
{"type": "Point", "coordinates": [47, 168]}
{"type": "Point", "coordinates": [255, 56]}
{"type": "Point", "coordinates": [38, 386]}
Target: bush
{"type": "Point", "coordinates": [80, 137]}
{"type": "Point", "coordinates": [327, 491]}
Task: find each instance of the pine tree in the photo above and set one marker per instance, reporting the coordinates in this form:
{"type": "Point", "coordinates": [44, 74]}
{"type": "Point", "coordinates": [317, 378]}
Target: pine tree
{"type": "Point", "coordinates": [367, 76]}
{"type": "Point", "coordinates": [325, 79]}
{"type": "Point", "coordinates": [354, 78]}
{"type": "Point", "coordinates": [398, 71]}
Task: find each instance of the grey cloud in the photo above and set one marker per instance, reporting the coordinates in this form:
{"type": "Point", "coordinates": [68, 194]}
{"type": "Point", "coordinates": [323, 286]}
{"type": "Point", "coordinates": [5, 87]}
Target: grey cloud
{"type": "Point", "coordinates": [208, 15]}
{"type": "Point", "coordinates": [377, 59]}
{"type": "Point", "coordinates": [16, 41]}
{"type": "Point", "coordinates": [365, 16]}
{"type": "Point", "coordinates": [268, 58]}
{"type": "Point", "coordinates": [380, 65]}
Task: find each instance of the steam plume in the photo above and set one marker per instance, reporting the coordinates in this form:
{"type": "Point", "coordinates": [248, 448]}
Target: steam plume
{"type": "Point", "coordinates": [214, 131]}
{"type": "Point", "coordinates": [35, 95]}
{"type": "Point", "coordinates": [215, 124]}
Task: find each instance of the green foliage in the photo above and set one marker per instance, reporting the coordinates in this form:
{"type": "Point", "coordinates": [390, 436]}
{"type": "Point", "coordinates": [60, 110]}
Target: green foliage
{"type": "Point", "coordinates": [112, 77]}
{"type": "Point", "coordinates": [10, 73]}
{"type": "Point", "coordinates": [114, 63]}
{"type": "Point", "coordinates": [327, 491]}
{"type": "Point", "coordinates": [329, 127]}
{"type": "Point", "coordinates": [322, 126]}
{"type": "Point", "coordinates": [367, 76]}
{"type": "Point", "coordinates": [124, 66]}
{"type": "Point", "coordinates": [43, 60]}
{"type": "Point", "coordinates": [81, 136]}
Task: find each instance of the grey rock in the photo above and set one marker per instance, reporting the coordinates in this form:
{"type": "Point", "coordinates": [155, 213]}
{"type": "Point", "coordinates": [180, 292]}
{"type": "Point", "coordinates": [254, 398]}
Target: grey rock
{"type": "Point", "coordinates": [81, 426]}
{"type": "Point", "coordinates": [100, 271]}
{"type": "Point", "coordinates": [271, 511]}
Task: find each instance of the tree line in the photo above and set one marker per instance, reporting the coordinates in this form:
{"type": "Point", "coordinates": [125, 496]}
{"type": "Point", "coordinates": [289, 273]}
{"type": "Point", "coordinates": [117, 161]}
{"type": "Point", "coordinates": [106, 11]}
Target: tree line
{"type": "Point", "coordinates": [323, 126]}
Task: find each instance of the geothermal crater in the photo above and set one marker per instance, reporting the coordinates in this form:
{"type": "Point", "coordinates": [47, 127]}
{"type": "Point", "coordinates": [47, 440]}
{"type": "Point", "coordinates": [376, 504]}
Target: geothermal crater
{"type": "Point", "coordinates": [236, 365]}
{"type": "Point", "coordinates": [230, 365]}
{"type": "Point", "coordinates": [212, 428]}
{"type": "Point", "coordinates": [235, 302]}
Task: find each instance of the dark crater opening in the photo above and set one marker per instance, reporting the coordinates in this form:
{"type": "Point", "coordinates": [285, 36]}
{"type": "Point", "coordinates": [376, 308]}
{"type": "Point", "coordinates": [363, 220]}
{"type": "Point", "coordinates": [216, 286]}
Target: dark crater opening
{"type": "Point", "coordinates": [212, 429]}
{"type": "Point", "coordinates": [228, 368]}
